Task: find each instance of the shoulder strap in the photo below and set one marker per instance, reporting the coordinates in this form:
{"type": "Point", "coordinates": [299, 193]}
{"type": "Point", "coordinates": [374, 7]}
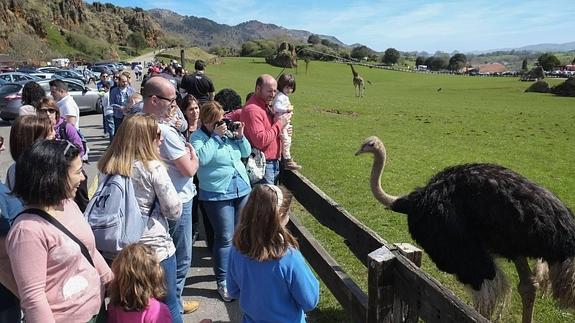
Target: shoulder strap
{"type": "Point", "coordinates": [62, 228]}
{"type": "Point", "coordinates": [62, 131]}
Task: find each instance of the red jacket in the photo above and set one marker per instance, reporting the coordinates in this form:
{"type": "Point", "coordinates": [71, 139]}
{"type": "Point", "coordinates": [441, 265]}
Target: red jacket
{"type": "Point", "coordinates": [260, 128]}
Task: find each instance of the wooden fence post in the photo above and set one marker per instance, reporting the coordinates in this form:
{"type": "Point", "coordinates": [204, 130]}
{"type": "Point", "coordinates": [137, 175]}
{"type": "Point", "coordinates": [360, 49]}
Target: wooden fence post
{"type": "Point", "coordinates": [407, 311]}
{"type": "Point", "coordinates": [380, 284]}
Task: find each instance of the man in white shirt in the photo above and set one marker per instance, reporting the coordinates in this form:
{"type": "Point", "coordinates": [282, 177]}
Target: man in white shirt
{"type": "Point", "coordinates": [68, 107]}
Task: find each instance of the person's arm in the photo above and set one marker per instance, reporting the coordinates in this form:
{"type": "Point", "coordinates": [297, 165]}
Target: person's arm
{"type": "Point", "coordinates": [70, 119]}
{"type": "Point", "coordinates": [187, 164]}
{"type": "Point", "coordinates": [184, 123]}
{"type": "Point", "coordinates": [259, 136]}
{"type": "Point", "coordinates": [170, 203]}
{"type": "Point", "coordinates": [231, 283]}
{"type": "Point", "coordinates": [303, 285]}
{"type": "Point", "coordinates": [28, 258]}
{"type": "Point", "coordinates": [282, 104]}
{"type": "Point", "coordinates": [205, 149]}
{"type": "Point", "coordinates": [102, 267]}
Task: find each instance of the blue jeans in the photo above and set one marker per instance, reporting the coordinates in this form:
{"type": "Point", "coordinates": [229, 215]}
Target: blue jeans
{"type": "Point", "coordinates": [272, 172]}
{"type": "Point", "coordinates": [223, 216]}
{"type": "Point", "coordinates": [181, 232]}
{"type": "Point", "coordinates": [109, 127]}
{"type": "Point", "coordinates": [172, 299]}
{"type": "Point", "coordinates": [117, 123]}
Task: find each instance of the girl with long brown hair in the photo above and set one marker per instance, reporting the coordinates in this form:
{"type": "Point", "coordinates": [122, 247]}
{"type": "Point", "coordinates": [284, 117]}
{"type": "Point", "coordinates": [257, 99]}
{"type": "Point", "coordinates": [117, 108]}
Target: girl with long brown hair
{"type": "Point", "coordinates": [266, 270]}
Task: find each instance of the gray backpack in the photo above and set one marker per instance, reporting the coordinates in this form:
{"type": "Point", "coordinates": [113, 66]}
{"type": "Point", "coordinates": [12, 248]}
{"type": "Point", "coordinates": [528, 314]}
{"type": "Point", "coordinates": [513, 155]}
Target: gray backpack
{"type": "Point", "coordinates": [114, 215]}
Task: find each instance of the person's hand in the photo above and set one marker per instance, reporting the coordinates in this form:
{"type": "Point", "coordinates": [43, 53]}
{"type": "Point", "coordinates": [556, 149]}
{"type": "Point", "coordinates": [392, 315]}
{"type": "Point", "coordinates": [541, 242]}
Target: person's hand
{"type": "Point", "coordinates": [178, 123]}
{"type": "Point", "coordinates": [284, 119]}
{"type": "Point", "coordinates": [290, 129]}
{"type": "Point", "coordinates": [239, 133]}
{"type": "Point", "coordinates": [290, 108]}
{"type": "Point", "coordinates": [191, 151]}
{"type": "Point", "coordinates": [220, 129]}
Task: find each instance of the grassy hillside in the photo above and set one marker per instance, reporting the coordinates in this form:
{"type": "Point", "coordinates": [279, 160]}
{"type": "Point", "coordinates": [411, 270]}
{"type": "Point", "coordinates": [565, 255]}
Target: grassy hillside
{"type": "Point", "coordinates": [471, 119]}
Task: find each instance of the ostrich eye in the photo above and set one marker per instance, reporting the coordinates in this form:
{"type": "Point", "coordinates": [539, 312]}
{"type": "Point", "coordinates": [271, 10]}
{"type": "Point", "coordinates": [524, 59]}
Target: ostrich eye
{"type": "Point", "coordinates": [371, 144]}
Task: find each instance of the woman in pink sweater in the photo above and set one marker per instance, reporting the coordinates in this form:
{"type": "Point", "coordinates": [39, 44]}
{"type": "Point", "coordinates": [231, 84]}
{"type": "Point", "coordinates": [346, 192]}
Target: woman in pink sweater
{"type": "Point", "coordinates": [56, 281]}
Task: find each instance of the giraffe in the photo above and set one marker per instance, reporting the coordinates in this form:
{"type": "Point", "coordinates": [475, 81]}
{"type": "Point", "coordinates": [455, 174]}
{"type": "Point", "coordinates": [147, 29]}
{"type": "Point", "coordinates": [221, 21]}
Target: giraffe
{"type": "Point", "coordinates": [358, 84]}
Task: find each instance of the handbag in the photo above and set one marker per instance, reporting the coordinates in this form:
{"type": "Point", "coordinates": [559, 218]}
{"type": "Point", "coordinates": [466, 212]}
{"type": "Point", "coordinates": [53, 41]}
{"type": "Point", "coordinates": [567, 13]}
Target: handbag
{"type": "Point", "coordinates": [256, 165]}
{"type": "Point", "coordinates": [44, 215]}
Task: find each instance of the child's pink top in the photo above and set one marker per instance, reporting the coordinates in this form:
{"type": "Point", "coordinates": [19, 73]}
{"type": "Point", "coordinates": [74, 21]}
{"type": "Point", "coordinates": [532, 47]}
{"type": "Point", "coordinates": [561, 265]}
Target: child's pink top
{"type": "Point", "coordinates": [156, 312]}
{"type": "Point", "coordinates": [56, 283]}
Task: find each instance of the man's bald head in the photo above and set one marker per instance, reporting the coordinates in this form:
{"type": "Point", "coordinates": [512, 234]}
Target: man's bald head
{"type": "Point", "coordinates": [157, 93]}
{"type": "Point", "coordinates": [266, 88]}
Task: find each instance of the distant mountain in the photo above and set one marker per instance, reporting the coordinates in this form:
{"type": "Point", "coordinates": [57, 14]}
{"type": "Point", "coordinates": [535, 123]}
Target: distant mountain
{"type": "Point", "coordinates": [206, 33]}
{"type": "Point", "coordinates": [545, 47]}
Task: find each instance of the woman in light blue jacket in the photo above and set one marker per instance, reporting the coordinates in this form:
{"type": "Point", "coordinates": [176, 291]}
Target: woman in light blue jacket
{"type": "Point", "coordinates": [224, 183]}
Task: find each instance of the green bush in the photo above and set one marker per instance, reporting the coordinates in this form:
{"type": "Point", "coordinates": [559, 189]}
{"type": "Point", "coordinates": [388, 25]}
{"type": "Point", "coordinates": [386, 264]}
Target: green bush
{"type": "Point", "coordinates": [539, 86]}
{"type": "Point", "coordinates": [566, 88]}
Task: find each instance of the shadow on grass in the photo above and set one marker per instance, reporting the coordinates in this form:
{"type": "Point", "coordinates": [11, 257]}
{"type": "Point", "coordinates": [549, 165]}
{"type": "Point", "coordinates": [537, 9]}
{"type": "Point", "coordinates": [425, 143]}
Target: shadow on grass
{"type": "Point", "coordinates": [328, 315]}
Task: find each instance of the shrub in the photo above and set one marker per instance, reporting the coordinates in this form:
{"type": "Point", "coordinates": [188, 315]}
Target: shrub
{"type": "Point", "coordinates": [566, 88]}
{"type": "Point", "coordinates": [539, 86]}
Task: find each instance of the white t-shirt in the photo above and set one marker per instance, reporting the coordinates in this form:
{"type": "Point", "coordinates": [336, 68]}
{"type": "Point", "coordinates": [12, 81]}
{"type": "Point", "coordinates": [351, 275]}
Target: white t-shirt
{"type": "Point", "coordinates": [68, 107]}
{"type": "Point", "coordinates": [174, 147]}
{"type": "Point", "coordinates": [106, 107]}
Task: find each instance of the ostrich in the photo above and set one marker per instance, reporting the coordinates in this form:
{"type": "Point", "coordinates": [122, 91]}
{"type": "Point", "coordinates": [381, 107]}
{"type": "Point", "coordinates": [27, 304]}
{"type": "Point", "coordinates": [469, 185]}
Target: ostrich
{"type": "Point", "coordinates": [467, 214]}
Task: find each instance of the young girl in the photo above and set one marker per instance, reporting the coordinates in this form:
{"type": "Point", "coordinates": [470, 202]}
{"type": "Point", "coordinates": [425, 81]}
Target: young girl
{"type": "Point", "coordinates": [266, 270]}
{"type": "Point", "coordinates": [138, 287]}
{"type": "Point", "coordinates": [282, 105]}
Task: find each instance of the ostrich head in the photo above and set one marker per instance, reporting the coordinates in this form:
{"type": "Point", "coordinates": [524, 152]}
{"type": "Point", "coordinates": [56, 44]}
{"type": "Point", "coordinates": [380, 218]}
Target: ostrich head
{"type": "Point", "coordinates": [375, 146]}
{"type": "Point", "coordinates": [371, 145]}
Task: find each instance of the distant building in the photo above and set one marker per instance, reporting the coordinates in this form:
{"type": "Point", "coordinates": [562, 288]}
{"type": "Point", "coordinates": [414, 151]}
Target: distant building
{"type": "Point", "coordinates": [490, 68]}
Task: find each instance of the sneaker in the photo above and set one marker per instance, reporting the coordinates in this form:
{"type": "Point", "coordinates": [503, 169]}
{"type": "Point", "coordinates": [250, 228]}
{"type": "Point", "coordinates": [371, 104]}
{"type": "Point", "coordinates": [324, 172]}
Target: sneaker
{"type": "Point", "coordinates": [289, 164]}
{"type": "Point", "coordinates": [223, 291]}
{"type": "Point", "coordinates": [190, 306]}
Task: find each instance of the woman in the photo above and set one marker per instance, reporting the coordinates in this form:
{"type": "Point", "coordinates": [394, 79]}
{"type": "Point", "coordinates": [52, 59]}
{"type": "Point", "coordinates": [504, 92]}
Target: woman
{"type": "Point", "coordinates": [224, 183]}
{"type": "Point", "coordinates": [66, 131]}
{"type": "Point", "coordinates": [62, 129]}
{"type": "Point", "coordinates": [267, 271]}
{"type": "Point", "coordinates": [24, 132]}
{"type": "Point", "coordinates": [32, 95]}
{"type": "Point", "coordinates": [135, 153]}
{"type": "Point", "coordinates": [57, 282]}
{"type": "Point", "coordinates": [190, 109]}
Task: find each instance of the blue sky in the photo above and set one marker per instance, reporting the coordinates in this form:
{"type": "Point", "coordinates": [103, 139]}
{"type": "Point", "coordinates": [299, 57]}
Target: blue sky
{"type": "Point", "coordinates": [406, 25]}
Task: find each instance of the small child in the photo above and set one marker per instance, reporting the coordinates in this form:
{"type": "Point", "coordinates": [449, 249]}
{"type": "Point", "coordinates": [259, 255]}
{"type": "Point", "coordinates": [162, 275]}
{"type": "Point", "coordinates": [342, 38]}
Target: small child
{"type": "Point", "coordinates": [282, 105]}
{"type": "Point", "coordinates": [137, 287]}
{"type": "Point", "coordinates": [266, 270]}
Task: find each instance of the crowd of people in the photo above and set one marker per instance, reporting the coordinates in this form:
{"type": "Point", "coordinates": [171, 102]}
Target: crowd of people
{"type": "Point", "coordinates": [185, 154]}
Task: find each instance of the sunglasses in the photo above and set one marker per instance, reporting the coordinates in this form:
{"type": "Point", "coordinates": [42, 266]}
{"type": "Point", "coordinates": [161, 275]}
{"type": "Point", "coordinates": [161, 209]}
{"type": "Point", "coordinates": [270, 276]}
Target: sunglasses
{"type": "Point", "coordinates": [51, 111]}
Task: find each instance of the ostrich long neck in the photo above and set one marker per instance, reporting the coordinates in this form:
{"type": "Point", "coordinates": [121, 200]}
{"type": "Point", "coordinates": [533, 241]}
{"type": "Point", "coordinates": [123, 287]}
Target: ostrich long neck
{"type": "Point", "coordinates": [376, 171]}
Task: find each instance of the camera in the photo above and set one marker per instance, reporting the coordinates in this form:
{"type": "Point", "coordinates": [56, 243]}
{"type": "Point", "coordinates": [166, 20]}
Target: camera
{"type": "Point", "coordinates": [232, 126]}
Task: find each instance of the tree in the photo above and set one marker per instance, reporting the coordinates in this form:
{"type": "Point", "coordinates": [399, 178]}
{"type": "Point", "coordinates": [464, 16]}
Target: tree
{"type": "Point", "coordinates": [457, 62]}
{"type": "Point", "coordinates": [137, 40]}
{"type": "Point", "coordinates": [419, 61]}
{"type": "Point", "coordinates": [573, 61]}
{"type": "Point", "coordinates": [313, 39]}
{"type": "Point", "coordinates": [524, 65]}
{"type": "Point", "coordinates": [391, 56]}
{"type": "Point", "coordinates": [360, 52]}
{"type": "Point", "coordinates": [437, 63]}
{"type": "Point", "coordinates": [548, 61]}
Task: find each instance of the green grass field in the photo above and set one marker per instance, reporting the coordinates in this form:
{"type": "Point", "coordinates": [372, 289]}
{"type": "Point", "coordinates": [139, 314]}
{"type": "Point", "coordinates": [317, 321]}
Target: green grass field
{"type": "Point", "coordinates": [472, 119]}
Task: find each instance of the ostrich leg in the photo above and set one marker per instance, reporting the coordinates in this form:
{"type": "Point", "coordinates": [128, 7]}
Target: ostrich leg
{"type": "Point", "coordinates": [526, 287]}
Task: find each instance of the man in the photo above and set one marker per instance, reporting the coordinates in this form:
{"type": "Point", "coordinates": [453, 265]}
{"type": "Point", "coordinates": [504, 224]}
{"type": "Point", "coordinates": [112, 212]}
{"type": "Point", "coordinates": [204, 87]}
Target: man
{"type": "Point", "coordinates": [68, 107]}
{"type": "Point", "coordinates": [103, 79]}
{"type": "Point", "coordinates": [119, 96]}
{"type": "Point", "coordinates": [260, 128]}
{"type": "Point", "coordinates": [182, 163]}
{"type": "Point", "coordinates": [198, 84]}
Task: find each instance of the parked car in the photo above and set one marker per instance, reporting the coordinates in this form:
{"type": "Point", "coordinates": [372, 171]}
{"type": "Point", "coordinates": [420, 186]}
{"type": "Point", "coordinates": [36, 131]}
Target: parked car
{"type": "Point", "coordinates": [11, 97]}
{"type": "Point", "coordinates": [48, 69]}
{"type": "Point", "coordinates": [6, 69]}
{"type": "Point", "coordinates": [98, 69]}
{"type": "Point", "coordinates": [47, 75]}
{"type": "Point", "coordinates": [2, 82]}
{"type": "Point", "coordinates": [27, 69]}
{"type": "Point", "coordinates": [17, 77]}
{"type": "Point", "coordinates": [71, 75]}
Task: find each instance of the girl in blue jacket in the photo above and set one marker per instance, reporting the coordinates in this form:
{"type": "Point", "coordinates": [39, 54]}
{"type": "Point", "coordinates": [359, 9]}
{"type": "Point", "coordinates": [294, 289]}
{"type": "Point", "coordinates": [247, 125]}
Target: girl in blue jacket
{"type": "Point", "coordinates": [266, 270]}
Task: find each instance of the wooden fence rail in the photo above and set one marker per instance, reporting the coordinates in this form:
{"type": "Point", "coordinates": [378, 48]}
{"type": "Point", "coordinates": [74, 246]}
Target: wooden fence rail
{"type": "Point", "coordinates": [398, 291]}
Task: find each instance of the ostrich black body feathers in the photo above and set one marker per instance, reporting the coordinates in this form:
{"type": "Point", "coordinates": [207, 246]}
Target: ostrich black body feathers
{"type": "Point", "coordinates": [468, 213]}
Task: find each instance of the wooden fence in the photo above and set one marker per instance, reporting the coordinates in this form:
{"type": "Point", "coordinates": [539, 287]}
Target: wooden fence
{"type": "Point", "coordinates": [398, 291]}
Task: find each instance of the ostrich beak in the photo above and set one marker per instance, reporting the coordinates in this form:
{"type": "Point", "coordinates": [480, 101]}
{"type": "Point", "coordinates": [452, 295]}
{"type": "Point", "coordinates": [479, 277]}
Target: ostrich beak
{"type": "Point", "coordinates": [359, 152]}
